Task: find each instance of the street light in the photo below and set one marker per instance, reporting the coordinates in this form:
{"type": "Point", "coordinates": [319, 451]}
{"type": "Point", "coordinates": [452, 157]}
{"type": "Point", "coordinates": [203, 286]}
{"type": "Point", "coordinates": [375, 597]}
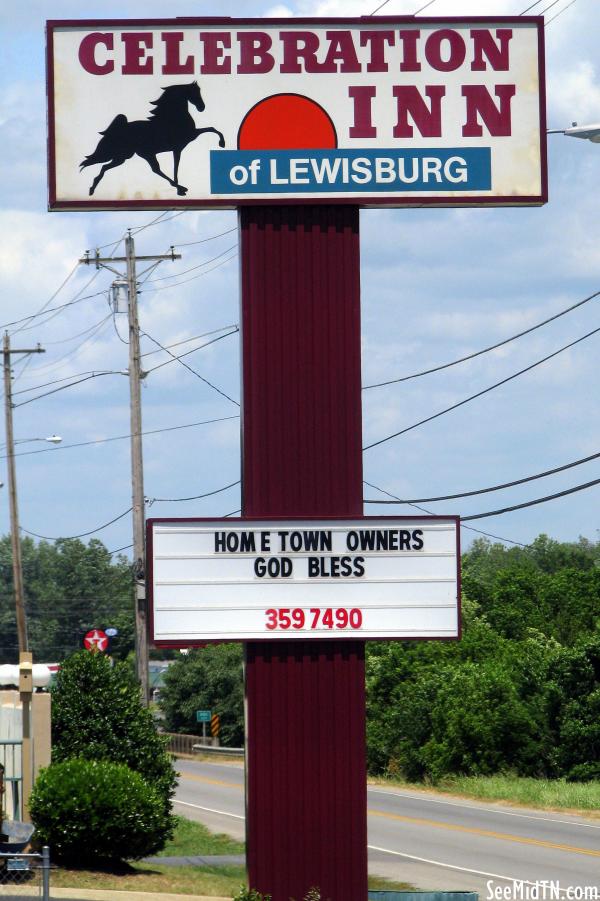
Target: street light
{"type": "Point", "coordinates": [53, 439]}
{"type": "Point", "coordinates": [587, 132]}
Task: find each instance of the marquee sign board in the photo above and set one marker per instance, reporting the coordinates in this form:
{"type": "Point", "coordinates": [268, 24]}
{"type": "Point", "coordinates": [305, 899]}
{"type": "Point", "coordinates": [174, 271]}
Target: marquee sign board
{"type": "Point", "coordinates": [180, 113]}
{"type": "Point", "coordinates": [240, 579]}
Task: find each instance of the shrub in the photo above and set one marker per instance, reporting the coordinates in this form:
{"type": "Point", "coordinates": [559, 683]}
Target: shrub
{"type": "Point", "coordinates": [97, 714]}
{"type": "Point", "coordinates": [90, 811]}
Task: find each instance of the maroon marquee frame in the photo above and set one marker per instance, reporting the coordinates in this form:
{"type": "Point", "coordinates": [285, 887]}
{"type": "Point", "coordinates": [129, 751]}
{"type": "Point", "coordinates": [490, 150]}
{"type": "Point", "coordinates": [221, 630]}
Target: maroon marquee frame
{"type": "Point", "coordinates": [229, 520]}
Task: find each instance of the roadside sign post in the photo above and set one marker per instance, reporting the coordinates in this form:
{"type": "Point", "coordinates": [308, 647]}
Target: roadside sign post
{"type": "Point", "coordinates": [308, 120]}
{"type": "Point", "coordinates": [204, 717]}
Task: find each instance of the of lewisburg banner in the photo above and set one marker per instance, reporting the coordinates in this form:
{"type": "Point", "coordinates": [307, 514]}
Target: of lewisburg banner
{"type": "Point", "coordinates": [200, 113]}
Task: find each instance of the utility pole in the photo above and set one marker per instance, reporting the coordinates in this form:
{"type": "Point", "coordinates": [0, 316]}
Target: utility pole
{"type": "Point", "coordinates": [137, 464]}
{"type": "Point", "coordinates": [25, 658]}
{"type": "Point", "coordinates": [7, 352]}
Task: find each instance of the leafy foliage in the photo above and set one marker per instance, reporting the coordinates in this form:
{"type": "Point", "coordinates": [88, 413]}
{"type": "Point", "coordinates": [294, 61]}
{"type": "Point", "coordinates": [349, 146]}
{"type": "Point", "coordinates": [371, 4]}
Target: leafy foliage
{"type": "Point", "coordinates": [206, 679]}
{"type": "Point", "coordinates": [70, 588]}
{"type": "Point", "coordinates": [97, 714]}
{"type": "Point", "coordinates": [250, 894]}
{"type": "Point", "coordinates": [91, 811]}
{"type": "Point", "coordinates": [520, 693]}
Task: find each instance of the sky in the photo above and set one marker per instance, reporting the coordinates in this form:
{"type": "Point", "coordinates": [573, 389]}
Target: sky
{"type": "Point", "coordinates": [437, 285]}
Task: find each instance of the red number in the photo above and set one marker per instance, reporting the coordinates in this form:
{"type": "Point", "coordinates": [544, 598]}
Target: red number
{"type": "Point", "coordinates": [284, 619]}
{"type": "Point", "coordinates": [315, 617]}
{"type": "Point", "coordinates": [341, 618]}
{"type": "Point", "coordinates": [327, 618]}
{"type": "Point", "coordinates": [298, 619]}
{"type": "Point", "coordinates": [356, 619]}
{"type": "Point", "coordinates": [271, 619]}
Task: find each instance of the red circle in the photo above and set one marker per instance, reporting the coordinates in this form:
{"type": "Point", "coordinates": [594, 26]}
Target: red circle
{"type": "Point", "coordinates": [287, 122]}
{"type": "Point", "coordinates": [96, 640]}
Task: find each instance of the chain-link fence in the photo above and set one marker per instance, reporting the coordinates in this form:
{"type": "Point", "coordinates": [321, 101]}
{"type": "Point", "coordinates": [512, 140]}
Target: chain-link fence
{"type": "Point", "coordinates": [25, 877]}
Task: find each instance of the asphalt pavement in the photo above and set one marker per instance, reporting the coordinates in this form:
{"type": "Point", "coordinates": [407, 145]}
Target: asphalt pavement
{"type": "Point", "coordinates": [433, 842]}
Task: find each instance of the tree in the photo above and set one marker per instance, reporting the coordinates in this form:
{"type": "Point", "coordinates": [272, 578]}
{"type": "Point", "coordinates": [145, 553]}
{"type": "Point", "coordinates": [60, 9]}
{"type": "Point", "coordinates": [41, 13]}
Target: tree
{"type": "Point", "coordinates": [573, 709]}
{"type": "Point", "coordinates": [210, 678]}
{"type": "Point", "coordinates": [70, 588]}
{"type": "Point", "coordinates": [97, 714]}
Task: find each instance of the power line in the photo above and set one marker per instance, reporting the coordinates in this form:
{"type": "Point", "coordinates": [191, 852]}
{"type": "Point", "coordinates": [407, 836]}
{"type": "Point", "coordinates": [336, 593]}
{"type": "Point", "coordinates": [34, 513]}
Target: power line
{"type": "Point", "coordinates": [186, 366]}
{"type": "Point", "coordinates": [451, 497]}
{"type": "Point", "coordinates": [429, 512]}
{"type": "Point", "coordinates": [49, 301]}
{"type": "Point", "coordinates": [204, 240]}
{"type": "Point", "coordinates": [194, 277]}
{"type": "Point", "coordinates": [79, 334]}
{"type": "Point", "coordinates": [124, 548]}
{"type": "Point", "coordinates": [158, 221]}
{"type": "Point", "coordinates": [36, 325]}
{"type": "Point", "coordinates": [431, 2]}
{"type": "Point", "coordinates": [52, 310]}
{"type": "Point", "coordinates": [214, 331]}
{"type": "Point", "coordinates": [87, 378]}
{"type": "Point", "coordinates": [561, 11]}
{"type": "Point", "coordinates": [385, 3]}
{"type": "Point", "coordinates": [176, 357]}
{"type": "Point", "coordinates": [537, 3]}
{"type": "Point", "coordinates": [485, 350]}
{"type": "Point", "coordinates": [466, 400]}
{"type": "Point", "coordinates": [94, 333]}
{"type": "Point", "coordinates": [173, 428]}
{"type": "Point", "coordinates": [539, 500]}
{"type": "Point", "coordinates": [82, 535]}
{"type": "Point", "coordinates": [66, 378]}
{"type": "Point", "coordinates": [197, 497]}
{"type": "Point", "coordinates": [193, 268]}
{"type": "Point", "coordinates": [546, 8]}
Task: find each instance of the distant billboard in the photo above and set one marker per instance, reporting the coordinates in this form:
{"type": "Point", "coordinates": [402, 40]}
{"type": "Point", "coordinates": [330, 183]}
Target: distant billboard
{"type": "Point", "coordinates": [367, 578]}
{"type": "Point", "coordinates": [181, 113]}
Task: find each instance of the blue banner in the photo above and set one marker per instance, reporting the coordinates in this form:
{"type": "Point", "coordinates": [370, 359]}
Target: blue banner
{"type": "Point", "coordinates": [350, 171]}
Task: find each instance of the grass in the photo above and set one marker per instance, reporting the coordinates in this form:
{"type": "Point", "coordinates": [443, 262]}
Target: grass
{"type": "Point", "coordinates": [190, 839]}
{"type": "Point", "coordinates": [544, 794]}
{"type": "Point", "coordinates": [139, 877]}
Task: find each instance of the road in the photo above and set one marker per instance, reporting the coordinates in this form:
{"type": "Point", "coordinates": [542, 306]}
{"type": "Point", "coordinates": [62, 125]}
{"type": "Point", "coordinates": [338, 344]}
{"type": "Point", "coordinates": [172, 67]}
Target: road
{"type": "Point", "coordinates": [427, 840]}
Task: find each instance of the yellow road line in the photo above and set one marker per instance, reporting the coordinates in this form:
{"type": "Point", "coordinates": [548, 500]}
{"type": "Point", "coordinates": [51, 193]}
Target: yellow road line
{"type": "Point", "coordinates": [486, 833]}
{"type": "Point", "coordinates": [205, 779]}
{"type": "Point", "coordinates": [417, 821]}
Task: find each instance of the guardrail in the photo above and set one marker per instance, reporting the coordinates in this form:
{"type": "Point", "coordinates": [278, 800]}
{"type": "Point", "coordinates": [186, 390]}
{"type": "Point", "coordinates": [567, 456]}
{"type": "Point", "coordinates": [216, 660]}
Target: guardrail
{"type": "Point", "coordinates": [230, 752]}
{"type": "Point", "coordinates": [192, 744]}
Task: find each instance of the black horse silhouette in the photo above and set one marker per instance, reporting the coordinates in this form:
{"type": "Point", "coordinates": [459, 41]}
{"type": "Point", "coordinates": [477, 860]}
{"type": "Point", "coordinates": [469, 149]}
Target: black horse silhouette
{"type": "Point", "coordinates": [170, 127]}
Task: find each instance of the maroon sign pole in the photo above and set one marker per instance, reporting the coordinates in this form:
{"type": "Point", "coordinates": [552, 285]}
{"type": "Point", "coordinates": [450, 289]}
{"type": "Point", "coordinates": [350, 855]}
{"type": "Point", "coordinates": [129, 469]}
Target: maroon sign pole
{"type": "Point", "coordinates": [301, 414]}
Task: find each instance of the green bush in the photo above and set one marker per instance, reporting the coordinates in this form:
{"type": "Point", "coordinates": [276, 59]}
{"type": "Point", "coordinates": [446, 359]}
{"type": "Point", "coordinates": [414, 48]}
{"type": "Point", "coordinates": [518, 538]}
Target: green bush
{"type": "Point", "coordinates": [90, 811]}
{"type": "Point", "coordinates": [97, 714]}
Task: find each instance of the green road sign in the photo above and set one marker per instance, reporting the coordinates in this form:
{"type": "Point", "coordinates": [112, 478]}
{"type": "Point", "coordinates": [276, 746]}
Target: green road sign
{"type": "Point", "coordinates": [203, 716]}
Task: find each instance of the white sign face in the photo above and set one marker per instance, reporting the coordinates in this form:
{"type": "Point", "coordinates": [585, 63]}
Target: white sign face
{"type": "Point", "coordinates": [235, 580]}
{"type": "Point", "coordinates": [386, 111]}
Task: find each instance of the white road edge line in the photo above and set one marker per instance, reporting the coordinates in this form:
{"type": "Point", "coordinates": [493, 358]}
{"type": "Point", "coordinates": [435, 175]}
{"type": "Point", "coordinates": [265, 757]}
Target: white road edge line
{"type": "Point", "coordinates": [223, 813]}
{"type": "Point", "coordinates": [508, 813]}
{"type": "Point", "coordinates": [449, 866]}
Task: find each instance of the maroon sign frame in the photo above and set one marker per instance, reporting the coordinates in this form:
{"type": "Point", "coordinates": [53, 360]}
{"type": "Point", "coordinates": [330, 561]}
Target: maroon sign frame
{"type": "Point", "coordinates": [54, 203]}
